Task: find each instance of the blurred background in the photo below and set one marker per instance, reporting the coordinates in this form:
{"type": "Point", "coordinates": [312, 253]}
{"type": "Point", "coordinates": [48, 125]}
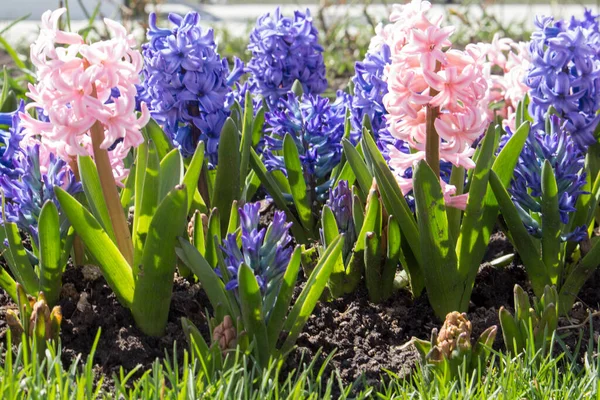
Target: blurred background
{"type": "Point", "coordinates": [345, 26]}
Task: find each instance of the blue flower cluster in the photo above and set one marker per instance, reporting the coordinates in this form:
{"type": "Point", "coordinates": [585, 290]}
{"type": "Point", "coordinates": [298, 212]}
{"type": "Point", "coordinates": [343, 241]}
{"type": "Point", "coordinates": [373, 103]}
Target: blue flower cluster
{"type": "Point", "coordinates": [565, 74]}
{"type": "Point", "coordinates": [10, 141]}
{"type": "Point", "coordinates": [567, 161]}
{"type": "Point", "coordinates": [266, 250]}
{"type": "Point", "coordinates": [25, 185]}
{"type": "Point", "coordinates": [187, 83]}
{"type": "Point", "coordinates": [369, 89]}
{"type": "Point", "coordinates": [317, 127]}
{"type": "Point", "coordinates": [285, 50]}
{"type": "Point", "coordinates": [340, 202]}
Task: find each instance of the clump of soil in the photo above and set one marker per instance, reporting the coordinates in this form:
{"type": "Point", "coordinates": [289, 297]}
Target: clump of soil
{"type": "Point", "coordinates": [90, 304]}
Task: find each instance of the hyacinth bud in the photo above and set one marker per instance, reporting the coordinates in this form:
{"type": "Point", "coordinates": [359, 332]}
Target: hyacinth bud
{"type": "Point", "coordinates": [35, 319]}
{"type": "Point", "coordinates": [455, 334]}
{"type": "Point", "coordinates": [225, 335]}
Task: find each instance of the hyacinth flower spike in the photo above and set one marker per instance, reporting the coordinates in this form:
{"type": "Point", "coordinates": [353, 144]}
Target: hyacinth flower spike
{"type": "Point", "coordinates": [76, 91]}
{"type": "Point", "coordinates": [89, 94]}
{"type": "Point", "coordinates": [250, 285]}
{"type": "Point", "coordinates": [285, 50]}
{"type": "Point", "coordinates": [304, 145]}
{"type": "Point", "coordinates": [437, 104]}
{"type": "Point", "coordinates": [551, 211]}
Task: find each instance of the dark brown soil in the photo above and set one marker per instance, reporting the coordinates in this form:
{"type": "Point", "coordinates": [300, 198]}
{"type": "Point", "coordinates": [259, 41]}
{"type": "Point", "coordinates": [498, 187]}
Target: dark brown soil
{"type": "Point", "coordinates": [88, 305]}
{"type": "Point", "coordinates": [368, 338]}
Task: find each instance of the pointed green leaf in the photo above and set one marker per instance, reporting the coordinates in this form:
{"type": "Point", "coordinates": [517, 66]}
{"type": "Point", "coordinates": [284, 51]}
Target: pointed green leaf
{"type": "Point", "coordinates": [356, 162]}
{"type": "Point", "coordinates": [147, 186]}
{"type": "Point", "coordinates": [154, 283]}
{"type": "Point", "coordinates": [282, 305]}
{"type": "Point", "coordinates": [153, 132]}
{"type": "Point", "coordinates": [50, 253]}
{"type": "Point", "coordinates": [252, 313]}
{"type": "Point", "coordinates": [392, 196]}
{"type": "Point", "coordinates": [192, 175]}
{"type": "Point", "coordinates": [211, 283]}
{"type": "Point", "coordinates": [171, 173]}
{"type": "Point", "coordinates": [272, 188]}
{"type": "Point", "coordinates": [114, 267]}
{"type": "Point", "coordinates": [311, 293]}
{"type": "Point", "coordinates": [90, 180]}
{"type": "Point", "coordinates": [551, 224]}
{"type": "Point", "coordinates": [444, 285]}
{"type": "Point", "coordinates": [298, 187]}
{"type": "Point", "coordinates": [227, 182]}
{"type": "Point", "coordinates": [535, 267]}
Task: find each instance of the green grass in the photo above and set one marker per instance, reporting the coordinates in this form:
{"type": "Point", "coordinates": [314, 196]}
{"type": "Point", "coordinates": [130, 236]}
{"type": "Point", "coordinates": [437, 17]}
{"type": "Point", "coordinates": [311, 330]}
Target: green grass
{"type": "Point", "coordinates": [22, 376]}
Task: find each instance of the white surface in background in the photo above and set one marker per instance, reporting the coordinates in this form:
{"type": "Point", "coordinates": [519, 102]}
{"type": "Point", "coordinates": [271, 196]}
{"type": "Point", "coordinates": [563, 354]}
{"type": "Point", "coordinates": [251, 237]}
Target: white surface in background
{"type": "Point", "coordinates": [237, 17]}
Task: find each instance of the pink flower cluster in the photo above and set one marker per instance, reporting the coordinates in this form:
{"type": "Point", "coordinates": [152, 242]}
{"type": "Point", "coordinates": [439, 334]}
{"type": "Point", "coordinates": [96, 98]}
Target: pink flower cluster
{"type": "Point", "coordinates": [426, 73]}
{"type": "Point", "coordinates": [79, 84]}
{"type": "Point", "coordinates": [508, 63]}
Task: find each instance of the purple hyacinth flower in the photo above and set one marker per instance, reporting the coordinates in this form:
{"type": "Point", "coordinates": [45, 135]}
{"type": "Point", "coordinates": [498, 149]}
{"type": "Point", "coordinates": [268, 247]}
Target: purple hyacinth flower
{"type": "Point", "coordinates": [567, 161]}
{"type": "Point", "coordinates": [186, 83]}
{"type": "Point", "coordinates": [565, 74]}
{"type": "Point", "coordinates": [267, 251]}
{"type": "Point", "coordinates": [284, 50]}
{"type": "Point", "coordinates": [317, 127]}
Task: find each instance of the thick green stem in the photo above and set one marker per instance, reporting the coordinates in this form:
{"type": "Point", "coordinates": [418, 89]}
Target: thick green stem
{"type": "Point", "coordinates": [432, 143]}
{"type": "Point", "coordinates": [111, 195]}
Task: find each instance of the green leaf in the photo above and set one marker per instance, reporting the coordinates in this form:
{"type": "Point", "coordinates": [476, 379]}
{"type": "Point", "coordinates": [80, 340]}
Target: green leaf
{"type": "Point", "coordinates": [298, 187]}
{"type": "Point", "coordinates": [211, 283]}
{"type": "Point", "coordinates": [192, 175]}
{"type": "Point", "coordinates": [252, 313]}
{"type": "Point", "coordinates": [114, 267]}
{"type": "Point", "coordinates": [90, 180]}
{"type": "Point", "coordinates": [128, 190]}
{"type": "Point", "coordinates": [247, 133]}
{"type": "Point", "coordinates": [171, 173]}
{"type": "Point", "coordinates": [511, 333]}
{"type": "Point", "coordinates": [214, 230]}
{"type": "Point", "coordinates": [154, 283]}
{"type": "Point", "coordinates": [16, 256]}
{"type": "Point", "coordinates": [471, 230]}
{"type": "Point", "coordinates": [551, 224]}
{"type": "Point", "coordinates": [363, 176]}
{"type": "Point", "coordinates": [257, 126]}
{"type": "Point", "coordinates": [5, 86]}
{"type": "Point", "coordinates": [477, 229]}
{"type": "Point", "coordinates": [392, 196]}
{"type": "Point", "coordinates": [373, 266]}
{"type": "Point", "coordinates": [440, 264]}
{"type": "Point", "coordinates": [227, 183]}
{"type": "Point", "coordinates": [457, 179]}
{"type": "Point", "coordinates": [329, 226]}
{"type": "Point", "coordinates": [147, 186]}
{"type": "Point", "coordinates": [524, 244]}
{"type": "Point", "coordinates": [198, 237]}
{"type": "Point", "coordinates": [284, 297]}
{"type": "Point", "coordinates": [578, 276]}
{"type": "Point", "coordinates": [394, 253]}
{"type": "Point", "coordinates": [50, 253]}
{"type": "Point", "coordinates": [311, 293]}
{"type": "Point", "coordinates": [8, 284]}
{"type": "Point", "coordinates": [154, 133]}
{"type": "Point", "coordinates": [234, 218]}
{"type": "Point", "coordinates": [272, 188]}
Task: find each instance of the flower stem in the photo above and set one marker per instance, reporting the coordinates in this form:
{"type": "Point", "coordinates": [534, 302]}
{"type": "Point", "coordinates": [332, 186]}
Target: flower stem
{"type": "Point", "coordinates": [432, 143]}
{"type": "Point", "coordinates": [78, 249]}
{"type": "Point", "coordinates": [111, 195]}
